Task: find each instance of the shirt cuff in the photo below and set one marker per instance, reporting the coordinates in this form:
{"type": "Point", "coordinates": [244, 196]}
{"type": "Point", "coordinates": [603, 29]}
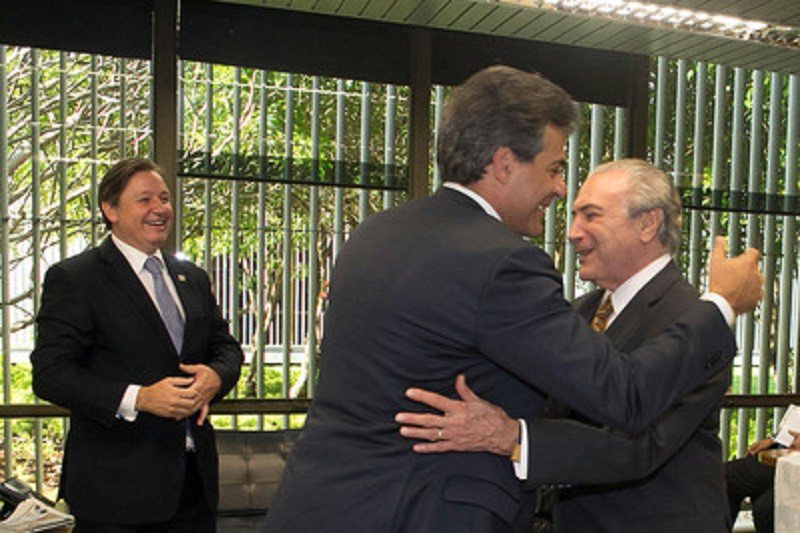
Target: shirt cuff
{"type": "Point", "coordinates": [521, 466]}
{"type": "Point", "coordinates": [127, 406]}
{"type": "Point", "coordinates": [722, 304]}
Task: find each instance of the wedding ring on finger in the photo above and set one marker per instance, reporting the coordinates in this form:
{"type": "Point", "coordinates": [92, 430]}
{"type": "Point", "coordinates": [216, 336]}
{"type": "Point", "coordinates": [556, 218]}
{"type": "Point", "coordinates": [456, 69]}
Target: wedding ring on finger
{"type": "Point", "coordinates": [440, 434]}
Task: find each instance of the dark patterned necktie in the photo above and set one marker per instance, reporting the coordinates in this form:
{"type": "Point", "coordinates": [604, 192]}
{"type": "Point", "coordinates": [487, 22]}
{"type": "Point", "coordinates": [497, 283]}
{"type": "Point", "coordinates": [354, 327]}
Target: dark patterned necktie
{"type": "Point", "coordinates": [600, 318]}
{"type": "Point", "coordinates": [170, 313]}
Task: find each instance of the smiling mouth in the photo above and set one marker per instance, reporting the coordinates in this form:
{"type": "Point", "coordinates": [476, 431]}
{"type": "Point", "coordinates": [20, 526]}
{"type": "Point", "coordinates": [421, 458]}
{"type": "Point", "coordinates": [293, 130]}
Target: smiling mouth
{"type": "Point", "coordinates": [583, 253]}
{"type": "Point", "coordinates": [156, 223]}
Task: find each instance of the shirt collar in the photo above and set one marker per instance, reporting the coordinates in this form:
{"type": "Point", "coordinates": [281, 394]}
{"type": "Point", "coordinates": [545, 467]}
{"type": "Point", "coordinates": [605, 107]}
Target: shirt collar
{"type": "Point", "coordinates": [631, 287]}
{"type": "Point", "coordinates": [134, 256]}
{"type": "Point", "coordinates": [481, 201]}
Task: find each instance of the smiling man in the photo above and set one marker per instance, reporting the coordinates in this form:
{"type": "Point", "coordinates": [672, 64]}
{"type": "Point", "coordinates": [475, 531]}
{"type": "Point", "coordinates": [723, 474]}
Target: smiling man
{"type": "Point", "coordinates": [626, 226]}
{"type": "Point", "coordinates": [448, 285]}
{"type": "Point", "coordinates": [625, 229]}
{"type": "Point", "coordinates": [131, 340]}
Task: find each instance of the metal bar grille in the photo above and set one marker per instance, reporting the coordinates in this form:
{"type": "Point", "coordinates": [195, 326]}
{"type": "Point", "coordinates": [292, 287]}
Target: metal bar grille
{"type": "Point", "coordinates": [270, 234]}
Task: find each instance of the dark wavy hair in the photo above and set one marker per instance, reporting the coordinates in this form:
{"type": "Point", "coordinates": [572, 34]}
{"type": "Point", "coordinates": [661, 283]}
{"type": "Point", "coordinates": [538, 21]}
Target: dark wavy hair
{"type": "Point", "coordinates": [117, 178]}
{"type": "Point", "coordinates": [498, 106]}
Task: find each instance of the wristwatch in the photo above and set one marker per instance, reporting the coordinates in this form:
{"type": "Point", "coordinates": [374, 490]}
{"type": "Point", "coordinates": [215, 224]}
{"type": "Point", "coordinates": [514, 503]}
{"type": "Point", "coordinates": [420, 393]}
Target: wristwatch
{"type": "Point", "coordinates": [517, 451]}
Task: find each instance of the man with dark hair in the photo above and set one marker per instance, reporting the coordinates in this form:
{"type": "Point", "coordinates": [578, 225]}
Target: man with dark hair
{"type": "Point", "coordinates": [132, 341]}
{"type": "Point", "coordinates": [116, 180]}
{"type": "Point", "coordinates": [447, 285]}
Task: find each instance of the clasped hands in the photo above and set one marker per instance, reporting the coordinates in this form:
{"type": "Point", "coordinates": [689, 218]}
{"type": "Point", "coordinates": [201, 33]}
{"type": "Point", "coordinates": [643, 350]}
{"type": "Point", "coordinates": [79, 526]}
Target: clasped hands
{"type": "Point", "coordinates": [467, 425]}
{"type": "Point", "coordinates": [180, 397]}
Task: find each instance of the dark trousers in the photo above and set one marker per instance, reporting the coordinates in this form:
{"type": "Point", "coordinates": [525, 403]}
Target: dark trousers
{"type": "Point", "coordinates": [193, 514]}
{"type": "Point", "coordinates": [747, 477]}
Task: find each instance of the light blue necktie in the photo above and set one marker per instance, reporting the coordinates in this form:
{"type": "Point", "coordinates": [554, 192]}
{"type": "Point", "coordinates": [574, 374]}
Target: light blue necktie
{"type": "Point", "coordinates": [170, 313]}
{"type": "Point", "coordinates": [172, 318]}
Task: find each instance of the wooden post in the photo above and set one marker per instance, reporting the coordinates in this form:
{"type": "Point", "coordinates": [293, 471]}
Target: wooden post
{"type": "Point", "coordinates": [165, 85]}
{"type": "Point", "coordinates": [637, 107]}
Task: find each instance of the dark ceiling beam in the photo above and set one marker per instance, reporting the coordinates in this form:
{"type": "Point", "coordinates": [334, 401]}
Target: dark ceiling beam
{"type": "Point", "coordinates": [638, 105]}
{"type": "Point", "coordinates": [283, 40]}
{"type": "Point", "coordinates": [380, 52]}
{"type": "Point", "coordinates": [107, 27]}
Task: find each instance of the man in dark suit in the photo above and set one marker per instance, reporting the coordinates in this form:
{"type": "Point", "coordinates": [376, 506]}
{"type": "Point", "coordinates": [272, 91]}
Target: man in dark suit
{"type": "Point", "coordinates": [627, 262]}
{"type": "Point", "coordinates": [447, 285]}
{"type": "Point", "coordinates": [626, 226]}
{"type": "Point", "coordinates": [131, 340]}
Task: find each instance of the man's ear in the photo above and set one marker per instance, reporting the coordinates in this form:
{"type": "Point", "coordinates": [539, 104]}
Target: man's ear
{"type": "Point", "coordinates": [109, 211]}
{"type": "Point", "coordinates": [502, 164]}
{"type": "Point", "coordinates": [649, 224]}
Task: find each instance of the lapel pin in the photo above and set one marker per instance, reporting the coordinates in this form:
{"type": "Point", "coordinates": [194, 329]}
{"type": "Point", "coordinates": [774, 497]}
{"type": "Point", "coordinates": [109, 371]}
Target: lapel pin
{"type": "Point", "coordinates": [181, 277]}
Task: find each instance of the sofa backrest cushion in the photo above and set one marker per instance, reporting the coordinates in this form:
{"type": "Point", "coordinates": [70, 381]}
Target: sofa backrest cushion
{"type": "Point", "coordinates": [251, 465]}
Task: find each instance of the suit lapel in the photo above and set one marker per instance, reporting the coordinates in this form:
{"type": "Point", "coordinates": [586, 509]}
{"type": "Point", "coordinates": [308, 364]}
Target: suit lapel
{"type": "Point", "coordinates": [123, 276]}
{"type": "Point", "coordinates": [628, 323]}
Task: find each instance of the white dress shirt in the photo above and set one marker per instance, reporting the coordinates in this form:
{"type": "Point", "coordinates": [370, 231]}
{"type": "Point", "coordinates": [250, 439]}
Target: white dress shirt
{"type": "Point", "coordinates": [623, 295]}
{"type": "Point", "coordinates": [136, 258]}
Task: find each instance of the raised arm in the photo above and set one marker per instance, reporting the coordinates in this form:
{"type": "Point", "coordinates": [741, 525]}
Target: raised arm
{"type": "Point", "coordinates": [527, 328]}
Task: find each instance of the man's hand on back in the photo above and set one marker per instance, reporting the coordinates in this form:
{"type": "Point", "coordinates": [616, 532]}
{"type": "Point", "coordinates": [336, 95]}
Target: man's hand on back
{"type": "Point", "coordinates": [467, 425]}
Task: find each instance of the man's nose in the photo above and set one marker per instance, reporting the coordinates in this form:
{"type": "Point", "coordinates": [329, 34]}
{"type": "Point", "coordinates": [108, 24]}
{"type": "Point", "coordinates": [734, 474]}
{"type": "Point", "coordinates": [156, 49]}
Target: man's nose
{"type": "Point", "coordinates": [561, 187]}
{"type": "Point", "coordinates": [158, 205]}
{"type": "Point", "coordinates": [575, 233]}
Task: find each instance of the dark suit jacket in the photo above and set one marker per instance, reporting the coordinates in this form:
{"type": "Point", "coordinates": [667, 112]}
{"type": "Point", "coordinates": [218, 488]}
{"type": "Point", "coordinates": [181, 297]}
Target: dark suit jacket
{"type": "Point", "coordinates": [676, 466]}
{"type": "Point", "coordinates": [98, 332]}
{"type": "Point", "coordinates": [431, 289]}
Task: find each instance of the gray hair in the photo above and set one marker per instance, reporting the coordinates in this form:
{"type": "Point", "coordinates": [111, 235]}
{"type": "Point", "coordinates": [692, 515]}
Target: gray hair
{"type": "Point", "coordinates": [650, 188]}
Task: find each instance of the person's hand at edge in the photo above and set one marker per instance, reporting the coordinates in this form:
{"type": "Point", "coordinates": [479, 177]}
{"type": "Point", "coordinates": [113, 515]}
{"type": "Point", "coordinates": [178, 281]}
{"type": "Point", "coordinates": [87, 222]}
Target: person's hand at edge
{"type": "Point", "coordinates": [737, 279]}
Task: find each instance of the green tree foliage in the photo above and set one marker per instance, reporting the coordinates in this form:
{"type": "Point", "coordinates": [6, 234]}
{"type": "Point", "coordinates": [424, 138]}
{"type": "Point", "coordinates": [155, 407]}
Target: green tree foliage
{"type": "Point", "coordinates": [257, 127]}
